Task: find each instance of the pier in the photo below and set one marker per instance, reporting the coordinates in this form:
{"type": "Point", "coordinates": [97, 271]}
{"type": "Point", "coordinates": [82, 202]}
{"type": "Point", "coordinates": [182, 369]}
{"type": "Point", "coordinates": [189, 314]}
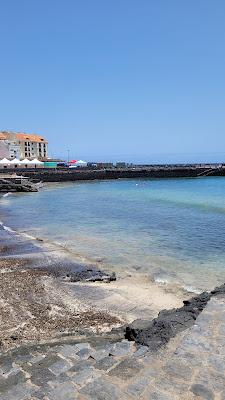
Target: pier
{"type": "Point", "coordinates": [151, 171]}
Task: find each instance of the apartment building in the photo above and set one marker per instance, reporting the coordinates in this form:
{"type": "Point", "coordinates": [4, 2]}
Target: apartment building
{"type": "Point", "coordinates": [9, 146]}
{"type": "Point", "coordinates": [22, 145]}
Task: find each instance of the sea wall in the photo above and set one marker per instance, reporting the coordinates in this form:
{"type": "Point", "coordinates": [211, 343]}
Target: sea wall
{"type": "Point", "coordinates": [47, 175]}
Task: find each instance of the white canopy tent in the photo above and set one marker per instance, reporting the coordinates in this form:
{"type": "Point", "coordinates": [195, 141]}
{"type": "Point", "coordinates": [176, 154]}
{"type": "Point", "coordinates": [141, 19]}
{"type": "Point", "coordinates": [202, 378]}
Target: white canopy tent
{"type": "Point", "coordinates": [81, 163]}
{"type": "Point", "coordinates": [15, 161]}
{"type": "Point", "coordinates": [36, 162]}
{"type": "Point", "coordinates": [5, 161]}
{"type": "Point", "coordinates": [25, 161]}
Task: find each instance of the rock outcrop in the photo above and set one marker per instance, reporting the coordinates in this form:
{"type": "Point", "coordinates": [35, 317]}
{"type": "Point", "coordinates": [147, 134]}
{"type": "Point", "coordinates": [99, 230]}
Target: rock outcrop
{"type": "Point", "coordinates": [169, 323]}
{"type": "Point", "coordinates": [92, 275]}
{"type": "Point", "coordinates": [9, 186]}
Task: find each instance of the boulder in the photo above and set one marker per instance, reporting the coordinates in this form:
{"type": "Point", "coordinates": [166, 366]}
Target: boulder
{"type": "Point", "coordinates": [92, 275]}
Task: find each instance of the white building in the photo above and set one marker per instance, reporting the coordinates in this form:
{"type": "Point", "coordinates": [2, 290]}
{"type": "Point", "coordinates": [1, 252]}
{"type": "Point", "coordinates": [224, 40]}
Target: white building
{"type": "Point", "coordinates": [9, 146]}
{"type": "Point", "coordinates": [22, 145]}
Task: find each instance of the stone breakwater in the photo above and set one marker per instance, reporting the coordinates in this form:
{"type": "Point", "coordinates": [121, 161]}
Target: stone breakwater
{"type": "Point", "coordinates": [159, 172]}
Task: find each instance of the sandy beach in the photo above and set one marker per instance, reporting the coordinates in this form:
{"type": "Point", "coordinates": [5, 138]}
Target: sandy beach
{"type": "Point", "coordinates": [39, 301]}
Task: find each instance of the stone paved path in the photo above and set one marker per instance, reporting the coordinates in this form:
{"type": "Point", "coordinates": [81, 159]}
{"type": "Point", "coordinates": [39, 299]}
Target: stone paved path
{"type": "Point", "coordinates": [191, 367]}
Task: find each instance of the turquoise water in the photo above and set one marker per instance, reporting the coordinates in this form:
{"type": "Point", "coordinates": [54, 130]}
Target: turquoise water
{"type": "Point", "coordinates": [172, 229]}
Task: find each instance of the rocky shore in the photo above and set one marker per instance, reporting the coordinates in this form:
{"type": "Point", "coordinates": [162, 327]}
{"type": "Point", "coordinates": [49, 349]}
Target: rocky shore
{"type": "Point", "coordinates": [47, 293]}
{"type": "Point", "coordinates": [35, 302]}
{"type": "Point", "coordinates": [170, 323]}
{"type": "Point", "coordinates": [7, 185]}
{"type": "Point", "coordinates": [66, 332]}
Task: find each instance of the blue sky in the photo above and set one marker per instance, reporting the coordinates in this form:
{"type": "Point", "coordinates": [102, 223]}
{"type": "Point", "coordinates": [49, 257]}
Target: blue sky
{"type": "Point", "coordinates": [123, 79]}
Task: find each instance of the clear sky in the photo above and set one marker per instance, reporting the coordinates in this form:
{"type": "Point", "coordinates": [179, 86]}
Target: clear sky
{"type": "Point", "coordinates": [122, 79]}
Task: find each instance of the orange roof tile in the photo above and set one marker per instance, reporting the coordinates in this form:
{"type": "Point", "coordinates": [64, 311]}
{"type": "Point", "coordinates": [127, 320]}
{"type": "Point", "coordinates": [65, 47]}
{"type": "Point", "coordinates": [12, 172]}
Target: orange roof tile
{"type": "Point", "coordinates": [30, 137]}
{"type": "Point", "coordinates": [2, 136]}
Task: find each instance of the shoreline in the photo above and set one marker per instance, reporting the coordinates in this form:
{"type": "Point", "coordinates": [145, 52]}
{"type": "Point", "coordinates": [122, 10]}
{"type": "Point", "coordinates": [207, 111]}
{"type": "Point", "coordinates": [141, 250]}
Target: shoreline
{"type": "Point", "coordinates": [45, 267]}
{"type": "Point", "coordinates": [167, 265]}
{"type": "Point", "coordinates": [62, 249]}
{"type": "Point", "coordinates": [60, 339]}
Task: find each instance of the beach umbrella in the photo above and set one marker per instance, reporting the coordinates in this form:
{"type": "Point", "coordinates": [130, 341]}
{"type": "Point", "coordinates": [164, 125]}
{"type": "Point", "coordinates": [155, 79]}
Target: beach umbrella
{"type": "Point", "coordinates": [4, 161]}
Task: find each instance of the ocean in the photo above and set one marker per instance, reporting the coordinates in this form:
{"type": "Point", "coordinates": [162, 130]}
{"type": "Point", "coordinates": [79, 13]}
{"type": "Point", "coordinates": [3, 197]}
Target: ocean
{"type": "Point", "coordinates": [171, 229]}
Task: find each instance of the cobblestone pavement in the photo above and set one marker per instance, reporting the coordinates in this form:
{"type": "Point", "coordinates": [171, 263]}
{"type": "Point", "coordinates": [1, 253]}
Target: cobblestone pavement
{"type": "Point", "coordinates": [192, 366]}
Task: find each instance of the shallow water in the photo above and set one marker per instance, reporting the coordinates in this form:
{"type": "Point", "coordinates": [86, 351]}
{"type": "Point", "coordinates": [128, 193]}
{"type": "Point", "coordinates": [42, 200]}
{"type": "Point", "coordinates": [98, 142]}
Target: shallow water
{"type": "Point", "coordinates": [173, 229]}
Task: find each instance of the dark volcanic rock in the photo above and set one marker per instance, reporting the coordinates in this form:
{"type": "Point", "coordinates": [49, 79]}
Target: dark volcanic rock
{"type": "Point", "coordinates": [160, 330]}
{"type": "Point", "coordinates": [9, 186]}
{"type": "Point", "coordinates": [77, 272]}
{"type": "Point", "coordinates": [92, 275]}
{"type": "Point", "coordinates": [218, 290]}
{"type": "Point", "coordinates": [155, 335]}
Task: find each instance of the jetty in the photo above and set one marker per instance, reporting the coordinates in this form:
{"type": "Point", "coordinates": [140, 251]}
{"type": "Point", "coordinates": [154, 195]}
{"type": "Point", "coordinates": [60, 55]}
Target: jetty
{"type": "Point", "coordinates": [146, 171]}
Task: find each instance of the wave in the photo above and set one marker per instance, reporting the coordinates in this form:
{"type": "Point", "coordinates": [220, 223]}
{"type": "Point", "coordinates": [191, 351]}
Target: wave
{"type": "Point", "coordinates": [11, 230]}
{"type": "Point", "coordinates": [60, 247]}
{"type": "Point", "coordinates": [6, 194]}
{"type": "Point", "coordinates": [191, 289]}
{"type": "Point", "coordinates": [167, 282]}
{"type": "Point", "coordinates": [7, 228]}
{"type": "Point", "coordinates": [161, 280]}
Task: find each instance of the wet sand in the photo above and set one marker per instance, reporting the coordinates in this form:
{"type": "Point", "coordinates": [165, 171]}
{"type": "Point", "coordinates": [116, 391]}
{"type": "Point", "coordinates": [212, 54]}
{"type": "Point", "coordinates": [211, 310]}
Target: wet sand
{"type": "Point", "coordinates": [131, 296]}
